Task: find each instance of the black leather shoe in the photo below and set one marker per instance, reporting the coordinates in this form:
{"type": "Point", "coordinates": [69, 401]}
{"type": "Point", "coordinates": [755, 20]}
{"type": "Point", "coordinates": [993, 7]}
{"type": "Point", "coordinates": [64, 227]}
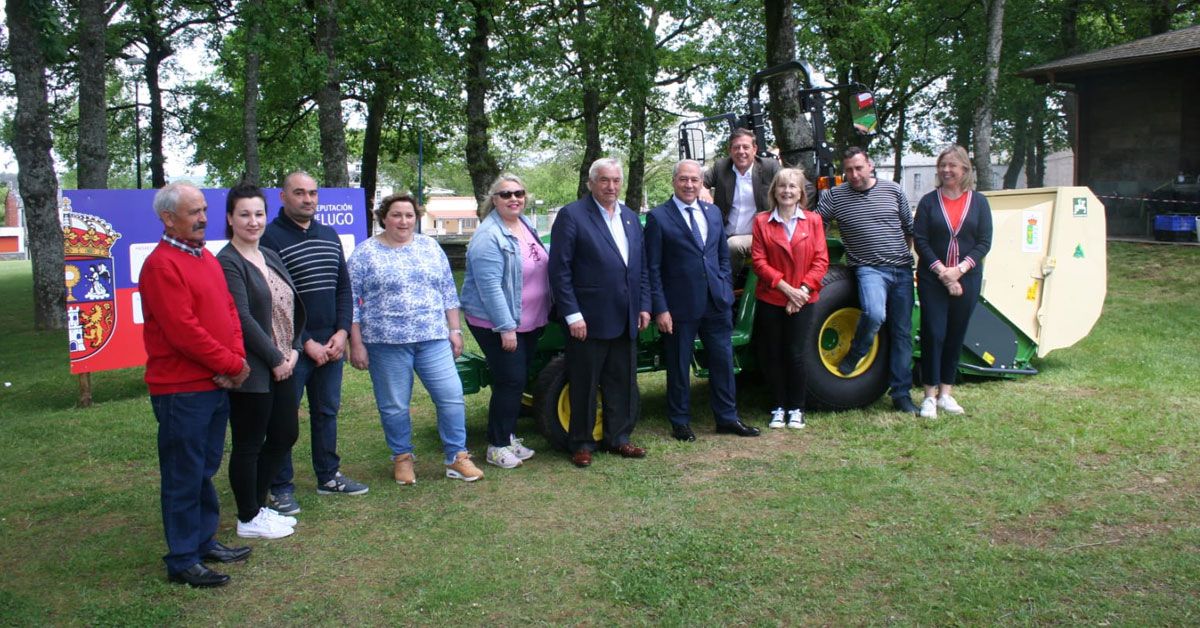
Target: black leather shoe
{"type": "Point", "coordinates": [737, 427]}
{"type": "Point", "coordinates": [199, 576]}
{"type": "Point", "coordinates": [904, 404]}
{"type": "Point", "coordinates": [683, 433]}
{"type": "Point", "coordinates": [223, 554]}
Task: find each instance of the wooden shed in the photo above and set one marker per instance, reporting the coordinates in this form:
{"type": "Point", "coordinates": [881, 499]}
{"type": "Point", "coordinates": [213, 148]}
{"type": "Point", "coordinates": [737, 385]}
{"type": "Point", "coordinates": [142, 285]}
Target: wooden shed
{"type": "Point", "coordinates": [1137, 120]}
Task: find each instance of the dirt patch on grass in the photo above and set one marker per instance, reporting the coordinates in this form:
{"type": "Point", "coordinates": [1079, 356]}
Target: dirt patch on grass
{"type": "Point", "coordinates": [1035, 530]}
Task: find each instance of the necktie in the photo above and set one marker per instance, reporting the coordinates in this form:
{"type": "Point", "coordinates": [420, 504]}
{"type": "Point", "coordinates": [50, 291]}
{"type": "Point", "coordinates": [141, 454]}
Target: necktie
{"type": "Point", "coordinates": [695, 227]}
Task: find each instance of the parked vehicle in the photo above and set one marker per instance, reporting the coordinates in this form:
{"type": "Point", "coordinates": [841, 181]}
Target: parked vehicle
{"type": "Point", "coordinates": [1044, 286]}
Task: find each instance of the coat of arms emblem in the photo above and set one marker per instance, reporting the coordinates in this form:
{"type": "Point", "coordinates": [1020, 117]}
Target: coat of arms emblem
{"type": "Point", "coordinates": [91, 289]}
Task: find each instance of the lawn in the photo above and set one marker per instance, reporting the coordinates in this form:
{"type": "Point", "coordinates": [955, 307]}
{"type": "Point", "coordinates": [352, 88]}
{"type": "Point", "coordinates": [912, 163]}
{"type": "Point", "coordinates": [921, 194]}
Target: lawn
{"type": "Point", "coordinates": [1071, 497]}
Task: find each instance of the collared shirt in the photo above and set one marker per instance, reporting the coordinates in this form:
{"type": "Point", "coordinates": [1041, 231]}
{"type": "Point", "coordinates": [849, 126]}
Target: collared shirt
{"type": "Point", "coordinates": [701, 220]}
{"type": "Point", "coordinates": [742, 207]}
{"type": "Point", "coordinates": [789, 225]}
{"type": "Point", "coordinates": [191, 247]}
{"type": "Point", "coordinates": [616, 227]}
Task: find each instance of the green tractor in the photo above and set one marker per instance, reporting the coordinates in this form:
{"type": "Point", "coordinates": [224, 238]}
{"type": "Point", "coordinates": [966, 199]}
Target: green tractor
{"type": "Point", "coordinates": [1044, 285]}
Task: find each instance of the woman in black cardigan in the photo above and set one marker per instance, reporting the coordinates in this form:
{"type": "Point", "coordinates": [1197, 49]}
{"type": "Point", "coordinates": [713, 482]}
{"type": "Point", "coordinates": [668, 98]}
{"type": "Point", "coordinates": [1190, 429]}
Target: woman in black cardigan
{"type": "Point", "coordinates": [952, 231]}
{"type": "Point", "coordinates": [263, 411]}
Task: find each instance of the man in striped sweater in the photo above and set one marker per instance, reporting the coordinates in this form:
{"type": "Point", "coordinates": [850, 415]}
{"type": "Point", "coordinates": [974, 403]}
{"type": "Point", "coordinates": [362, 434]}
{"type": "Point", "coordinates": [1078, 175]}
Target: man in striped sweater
{"type": "Point", "coordinates": [312, 253]}
{"type": "Point", "coordinates": [876, 225]}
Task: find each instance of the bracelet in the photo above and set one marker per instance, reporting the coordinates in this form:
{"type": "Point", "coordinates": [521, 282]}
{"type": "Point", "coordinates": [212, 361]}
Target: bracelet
{"type": "Point", "coordinates": [456, 331]}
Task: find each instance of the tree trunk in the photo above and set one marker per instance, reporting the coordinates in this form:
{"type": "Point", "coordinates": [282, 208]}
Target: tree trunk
{"type": "Point", "coordinates": [983, 115]}
{"type": "Point", "coordinates": [793, 134]}
{"type": "Point", "coordinates": [253, 23]}
{"type": "Point", "coordinates": [1017, 163]}
{"type": "Point", "coordinates": [1035, 171]}
{"type": "Point", "coordinates": [329, 100]}
{"type": "Point", "coordinates": [31, 144]}
{"type": "Point", "coordinates": [898, 147]}
{"type": "Point", "coordinates": [635, 187]}
{"type": "Point", "coordinates": [91, 155]}
{"type": "Point", "coordinates": [377, 108]}
{"type": "Point", "coordinates": [158, 173]}
{"type": "Point", "coordinates": [481, 164]}
{"type": "Point", "coordinates": [1069, 37]}
{"type": "Point", "coordinates": [591, 133]}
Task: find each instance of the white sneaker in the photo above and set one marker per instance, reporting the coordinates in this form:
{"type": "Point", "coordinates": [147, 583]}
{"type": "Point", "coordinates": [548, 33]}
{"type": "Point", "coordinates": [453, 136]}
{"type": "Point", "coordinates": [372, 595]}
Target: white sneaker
{"type": "Point", "coordinates": [949, 405]}
{"type": "Point", "coordinates": [502, 457]}
{"type": "Point", "coordinates": [929, 408]}
{"type": "Point", "coordinates": [519, 450]}
{"type": "Point", "coordinates": [777, 418]}
{"type": "Point", "coordinates": [263, 527]}
{"type": "Point", "coordinates": [281, 518]}
{"type": "Point", "coordinates": [796, 419]}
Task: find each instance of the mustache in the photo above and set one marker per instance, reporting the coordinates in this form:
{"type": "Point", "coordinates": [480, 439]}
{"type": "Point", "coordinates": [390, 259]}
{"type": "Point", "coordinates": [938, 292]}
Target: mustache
{"type": "Point", "coordinates": [200, 226]}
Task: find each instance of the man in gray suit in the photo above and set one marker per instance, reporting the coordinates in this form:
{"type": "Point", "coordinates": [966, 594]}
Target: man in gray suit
{"type": "Point", "coordinates": [738, 186]}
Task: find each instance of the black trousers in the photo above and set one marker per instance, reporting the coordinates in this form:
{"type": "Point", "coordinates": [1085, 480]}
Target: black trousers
{"type": "Point", "coordinates": [509, 370]}
{"type": "Point", "coordinates": [780, 337]}
{"type": "Point", "coordinates": [264, 427]}
{"type": "Point", "coordinates": [610, 366]}
{"type": "Point", "coordinates": [944, 322]}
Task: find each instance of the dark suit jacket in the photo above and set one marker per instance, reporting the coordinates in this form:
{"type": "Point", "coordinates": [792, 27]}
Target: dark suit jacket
{"type": "Point", "coordinates": [587, 274]}
{"type": "Point", "coordinates": [252, 296]}
{"type": "Point", "coordinates": [681, 274]}
{"type": "Point", "coordinates": [932, 235]}
{"type": "Point", "coordinates": [720, 180]}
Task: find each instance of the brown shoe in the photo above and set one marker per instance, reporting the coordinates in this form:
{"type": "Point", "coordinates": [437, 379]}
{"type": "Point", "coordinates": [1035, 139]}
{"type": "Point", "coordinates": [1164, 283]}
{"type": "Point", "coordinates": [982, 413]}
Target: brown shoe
{"type": "Point", "coordinates": [402, 469]}
{"type": "Point", "coordinates": [582, 458]}
{"type": "Point", "coordinates": [463, 469]}
{"type": "Point", "coordinates": [628, 450]}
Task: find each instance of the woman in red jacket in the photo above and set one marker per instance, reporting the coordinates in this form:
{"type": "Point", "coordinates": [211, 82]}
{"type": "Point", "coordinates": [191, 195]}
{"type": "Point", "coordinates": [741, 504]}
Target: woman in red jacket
{"type": "Point", "coordinates": [790, 258]}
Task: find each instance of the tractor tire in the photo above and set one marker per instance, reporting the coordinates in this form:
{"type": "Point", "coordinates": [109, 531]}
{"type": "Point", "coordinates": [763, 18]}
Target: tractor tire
{"type": "Point", "coordinates": [834, 319]}
{"type": "Point", "coordinates": [552, 405]}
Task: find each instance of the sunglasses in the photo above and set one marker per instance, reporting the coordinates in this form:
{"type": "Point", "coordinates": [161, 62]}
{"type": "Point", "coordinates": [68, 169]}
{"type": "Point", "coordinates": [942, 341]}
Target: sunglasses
{"type": "Point", "coordinates": [507, 194]}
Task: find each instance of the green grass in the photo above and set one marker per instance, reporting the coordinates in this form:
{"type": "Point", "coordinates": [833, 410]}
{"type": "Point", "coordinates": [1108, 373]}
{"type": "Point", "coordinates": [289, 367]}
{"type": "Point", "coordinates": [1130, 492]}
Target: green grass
{"type": "Point", "coordinates": [1066, 498]}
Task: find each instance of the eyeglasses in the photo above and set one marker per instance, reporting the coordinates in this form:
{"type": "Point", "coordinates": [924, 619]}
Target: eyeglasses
{"type": "Point", "coordinates": [507, 194]}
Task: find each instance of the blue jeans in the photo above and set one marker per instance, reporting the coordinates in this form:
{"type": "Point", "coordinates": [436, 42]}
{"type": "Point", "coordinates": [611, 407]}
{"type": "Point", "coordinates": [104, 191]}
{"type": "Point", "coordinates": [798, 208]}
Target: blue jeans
{"type": "Point", "coordinates": [191, 441]}
{"type": "Point", "coordinates": [392, 367]}
{"type": "Point", "coordinates": [886, 295]}
{"type": "Point", "coordinates": [324, 386]}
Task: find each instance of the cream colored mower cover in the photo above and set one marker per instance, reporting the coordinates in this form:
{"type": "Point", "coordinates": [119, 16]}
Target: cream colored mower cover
{"type": "Point", "coordinates": [1047, 271]}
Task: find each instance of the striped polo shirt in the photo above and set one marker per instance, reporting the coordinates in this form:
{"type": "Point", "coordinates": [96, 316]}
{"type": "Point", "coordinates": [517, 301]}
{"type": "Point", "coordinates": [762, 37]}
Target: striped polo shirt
{"type": "Point", "coordinates": [874, 224]}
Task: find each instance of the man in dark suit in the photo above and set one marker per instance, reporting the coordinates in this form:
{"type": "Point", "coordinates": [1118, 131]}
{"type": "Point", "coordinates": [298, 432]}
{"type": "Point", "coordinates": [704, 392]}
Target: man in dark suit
{"type": "Point", "coordinates": [687, 261]}
{"type": "Point", "coordinates": [738, 185]}
{"type": "Point", "coordinates": [598, 276]}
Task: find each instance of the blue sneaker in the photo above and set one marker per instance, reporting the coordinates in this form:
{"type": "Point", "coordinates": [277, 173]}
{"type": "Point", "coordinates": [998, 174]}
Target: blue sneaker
{"type": "Point", "coordinates": [283, 503]}
{"type": "Point", "coordinates": [340, 484]}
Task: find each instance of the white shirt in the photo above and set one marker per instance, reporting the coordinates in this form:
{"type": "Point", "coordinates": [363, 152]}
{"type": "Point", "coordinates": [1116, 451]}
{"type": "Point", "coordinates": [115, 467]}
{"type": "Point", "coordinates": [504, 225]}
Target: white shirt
{"type": "Point", "coordinates": [701, 220]}
{"type": "Point", "coordinates": [789, 225]}
{"type": "Point", "coordinates": [616, 227]}
{"type": "Point", "coordinates": [741, 213]}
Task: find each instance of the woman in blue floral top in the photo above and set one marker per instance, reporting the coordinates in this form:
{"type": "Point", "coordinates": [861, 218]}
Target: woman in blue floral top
{"type": "Point", "coordinates": [406, 320]}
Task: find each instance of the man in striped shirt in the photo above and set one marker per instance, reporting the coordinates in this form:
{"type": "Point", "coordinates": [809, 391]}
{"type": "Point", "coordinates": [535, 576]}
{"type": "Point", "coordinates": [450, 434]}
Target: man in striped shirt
{"type": "Point", "coordinates": [876, 225]}
{"type": "Point", "coordinates": [312, 253]}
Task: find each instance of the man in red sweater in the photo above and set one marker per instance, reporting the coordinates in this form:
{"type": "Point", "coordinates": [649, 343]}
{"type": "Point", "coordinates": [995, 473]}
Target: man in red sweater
{"type": "Point", "coordinates": [194, 353]}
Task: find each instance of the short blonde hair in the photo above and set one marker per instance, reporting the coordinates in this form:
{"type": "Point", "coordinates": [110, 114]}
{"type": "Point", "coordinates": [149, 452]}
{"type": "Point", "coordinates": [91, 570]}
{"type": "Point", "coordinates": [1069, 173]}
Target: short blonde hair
{"type": "Point", "coordinates": [957, 154]}
{"type": "Point", "coordinates": [795, 175]}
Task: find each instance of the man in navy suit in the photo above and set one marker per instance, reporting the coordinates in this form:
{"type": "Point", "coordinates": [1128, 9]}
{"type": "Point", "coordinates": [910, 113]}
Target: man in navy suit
{"type": "Point", "coordinates": [598, 276]}
{"type": "Point", "coordinates": [691, 293]}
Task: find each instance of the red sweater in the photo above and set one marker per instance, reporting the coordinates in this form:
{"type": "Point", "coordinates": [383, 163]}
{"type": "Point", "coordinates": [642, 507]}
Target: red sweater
{"type": "Point", "coordinates": [801, 261]}
{"type": "Point", "coordinates": [191, 331]}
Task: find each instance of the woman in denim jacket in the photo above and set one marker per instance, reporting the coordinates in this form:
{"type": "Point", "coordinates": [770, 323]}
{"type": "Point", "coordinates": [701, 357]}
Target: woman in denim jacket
{"type": "Point", "coordinates": [506, 297]}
